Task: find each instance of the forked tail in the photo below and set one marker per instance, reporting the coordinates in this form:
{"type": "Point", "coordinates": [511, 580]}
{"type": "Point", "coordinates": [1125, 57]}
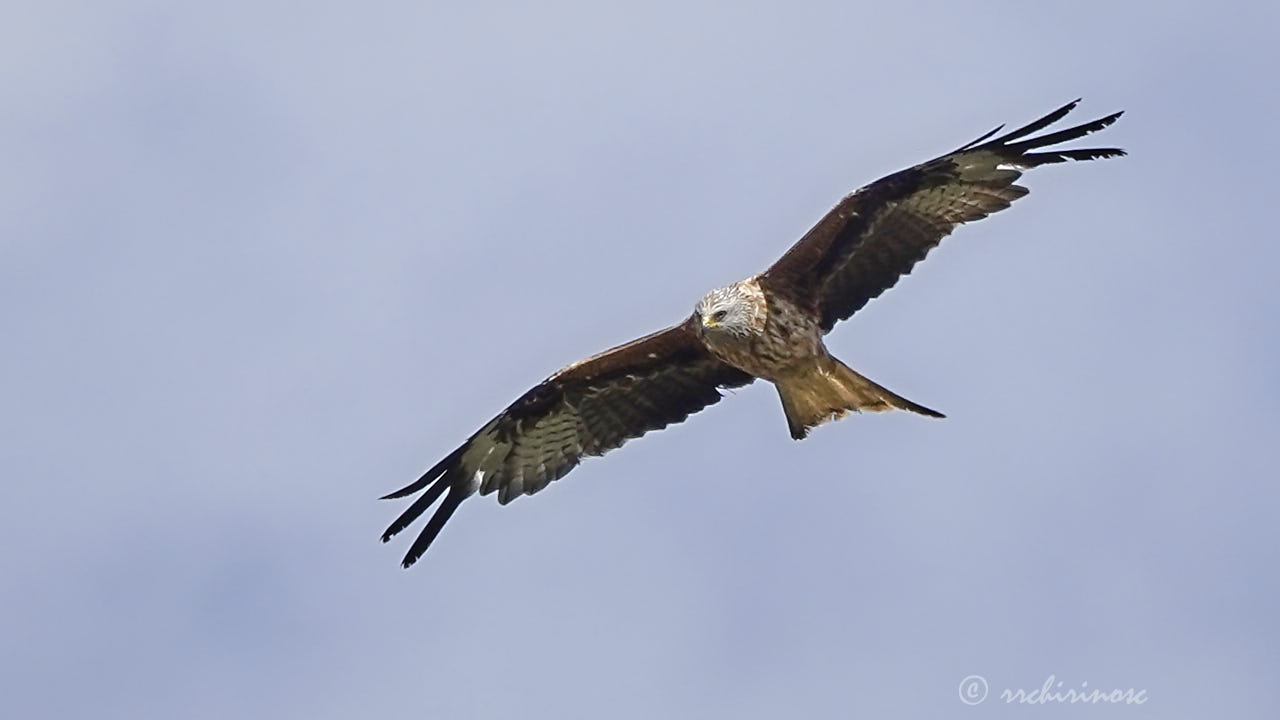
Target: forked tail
{"type": "Point", "coordinates": [828, 389]}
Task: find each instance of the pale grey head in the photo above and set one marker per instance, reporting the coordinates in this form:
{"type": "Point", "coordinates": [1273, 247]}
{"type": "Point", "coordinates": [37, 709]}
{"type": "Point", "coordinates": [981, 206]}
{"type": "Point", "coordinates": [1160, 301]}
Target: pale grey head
{"type": "Point", "coordinates": [737, 310]}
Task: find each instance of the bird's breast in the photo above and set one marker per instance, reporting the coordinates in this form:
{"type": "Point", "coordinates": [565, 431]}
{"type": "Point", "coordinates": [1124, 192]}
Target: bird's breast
{"type": "Point", "coordinates": [789, 336]}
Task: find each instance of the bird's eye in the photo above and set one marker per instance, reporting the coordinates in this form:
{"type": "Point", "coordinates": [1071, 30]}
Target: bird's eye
{"type": "Point", "coordinates": [719, 315]}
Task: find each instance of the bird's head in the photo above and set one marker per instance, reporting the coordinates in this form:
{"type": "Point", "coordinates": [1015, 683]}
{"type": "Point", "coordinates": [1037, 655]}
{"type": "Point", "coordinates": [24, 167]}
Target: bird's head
{"type": "Point", "coordinates": [736, 309]}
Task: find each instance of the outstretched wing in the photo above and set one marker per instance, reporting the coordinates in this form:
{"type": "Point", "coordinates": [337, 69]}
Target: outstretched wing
{"type": "Point", "coordinates": [588, 408]}
{"type": "Point", "coordinates": [877, 234]}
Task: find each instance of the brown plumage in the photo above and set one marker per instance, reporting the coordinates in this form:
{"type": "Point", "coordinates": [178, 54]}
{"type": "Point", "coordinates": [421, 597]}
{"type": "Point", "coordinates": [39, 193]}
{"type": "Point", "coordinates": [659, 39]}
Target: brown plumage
{"type": "Point", "coordinates": [769, 326]}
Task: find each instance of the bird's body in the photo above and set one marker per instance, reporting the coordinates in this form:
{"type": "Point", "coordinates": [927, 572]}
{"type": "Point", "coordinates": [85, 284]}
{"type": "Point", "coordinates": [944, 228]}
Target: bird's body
{"type": "Point", "coordinates": [770, 327]}
{"type": "Point", "coordinates": [776, 336]}
{"type": "Point", "coordinates": [779, 334]}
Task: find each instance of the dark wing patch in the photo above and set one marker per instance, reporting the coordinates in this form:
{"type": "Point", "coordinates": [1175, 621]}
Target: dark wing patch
{"type": "Point", "coordinates": [877, 234]}
{"type": "Point", "coordinates": [586, 409]}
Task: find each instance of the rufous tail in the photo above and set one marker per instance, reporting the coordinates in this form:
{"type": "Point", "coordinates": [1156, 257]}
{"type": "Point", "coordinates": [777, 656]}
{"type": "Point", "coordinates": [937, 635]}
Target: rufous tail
{"type": "Point", "coordinates": [828, 389]}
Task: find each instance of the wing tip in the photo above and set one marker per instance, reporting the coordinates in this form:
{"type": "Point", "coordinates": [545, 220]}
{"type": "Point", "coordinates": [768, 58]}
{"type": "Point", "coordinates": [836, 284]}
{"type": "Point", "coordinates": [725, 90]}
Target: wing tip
{"type": "Point", "coordinates": [436, 481]}
{"type": "Point", "coordinates": [438, 519]}
{"type": "Point", "coordinates": [431, 475]}
{"type": "Point", "coordinates": [1024, 143]}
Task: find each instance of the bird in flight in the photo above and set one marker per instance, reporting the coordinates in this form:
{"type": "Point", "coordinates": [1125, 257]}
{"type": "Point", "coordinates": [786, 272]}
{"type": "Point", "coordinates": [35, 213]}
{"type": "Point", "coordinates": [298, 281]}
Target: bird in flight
{"type": "Point", "coordinates": [769, 326]}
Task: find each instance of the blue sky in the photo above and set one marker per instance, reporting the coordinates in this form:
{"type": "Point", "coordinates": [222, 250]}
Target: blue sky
{"type": "Point", "coordinates": [258, 268]}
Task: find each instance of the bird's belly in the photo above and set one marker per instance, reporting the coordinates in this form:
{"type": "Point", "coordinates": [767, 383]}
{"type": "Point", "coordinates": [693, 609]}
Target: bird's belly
{"type": "Point", "coordinates": [776, 352]}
